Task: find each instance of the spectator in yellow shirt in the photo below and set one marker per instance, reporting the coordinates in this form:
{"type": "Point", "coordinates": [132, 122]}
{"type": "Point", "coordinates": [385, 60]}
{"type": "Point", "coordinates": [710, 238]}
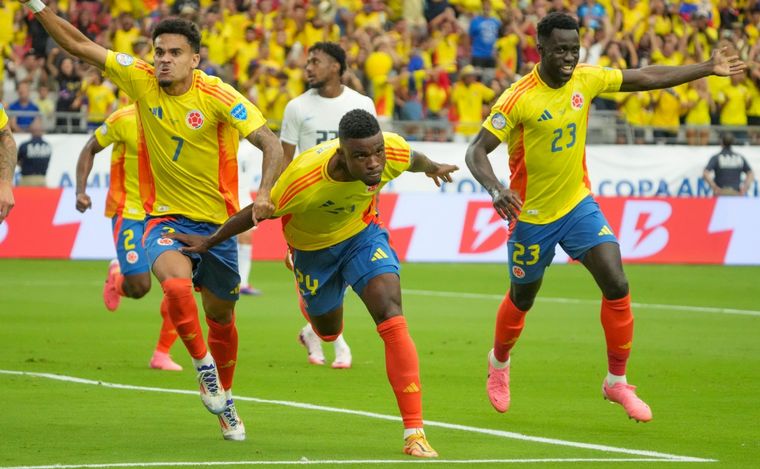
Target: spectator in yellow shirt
{"type": "Point", "coordinates": [125, 34]}
{"type": "Point", "coordinates": [698, 105]}
{"type": "Point", "coordinates": [468, 96]}
{"type": "Point", "coordinates": [100, 99]}
{"type": "Point", "coordinates": [666, 115]}
{"type": "Point", "coordinates": [733, 102]}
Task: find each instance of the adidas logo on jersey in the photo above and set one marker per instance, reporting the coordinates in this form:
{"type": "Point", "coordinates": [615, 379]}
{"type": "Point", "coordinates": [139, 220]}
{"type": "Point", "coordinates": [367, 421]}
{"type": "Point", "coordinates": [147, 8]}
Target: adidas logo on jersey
{"type": "Point", "coordinates": [379, 254]}
{"type": "Point", "coordinates": [157, 111]}
{"type": "Point", "coordinates": [545, 116]}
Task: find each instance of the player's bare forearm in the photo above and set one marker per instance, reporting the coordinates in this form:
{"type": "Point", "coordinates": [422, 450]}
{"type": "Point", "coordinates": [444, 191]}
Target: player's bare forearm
{"type": "Point", "coordinates": [271, 166]}
{"type": "Point", "coordinates": [238, 223]}
{"type": "Point", "coordinates": [657, 77]}
{"type": "Point", "coordinates": [421, 163]}
{"type": "Point", "coordinates": [84, 163]}
{"type": "Point", "coordinates": [7, 155]}
{"type": "Point", "coordinates": [288, 152]}
{"type": "Point", "coordinates": [71, 39]}
{"type": "Point", "coordinates": [477, 160]}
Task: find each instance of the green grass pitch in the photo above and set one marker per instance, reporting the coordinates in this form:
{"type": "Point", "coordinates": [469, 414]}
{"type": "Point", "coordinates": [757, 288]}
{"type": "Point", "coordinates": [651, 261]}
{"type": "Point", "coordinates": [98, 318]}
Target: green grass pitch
{"type": "Point", "coordinates": [696, 361]}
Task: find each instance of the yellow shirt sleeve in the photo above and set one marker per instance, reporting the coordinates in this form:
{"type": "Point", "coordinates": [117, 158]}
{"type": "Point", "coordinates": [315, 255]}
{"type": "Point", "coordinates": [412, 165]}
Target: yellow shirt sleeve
{"type": "Point", "coordinates": [397, 156]}
{"type": "Point", "coordinates": [132, 75]}
{"type": "Point", "coordinates": [241, 114]}
{"type": "Point", "coordinates": [109, 132]}
{"type": "Point", "coordinates": [504, 113]}
{"type": "Point", "coordinates": [598, 80]}
{"type": "Point", "coordinates": [3, 117]}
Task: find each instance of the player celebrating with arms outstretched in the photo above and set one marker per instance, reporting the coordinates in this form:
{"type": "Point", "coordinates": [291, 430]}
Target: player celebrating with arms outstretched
{"type": "Point", "coordinates": [542, 117]}
{"type": "Point", "coordinates": [188, 127]}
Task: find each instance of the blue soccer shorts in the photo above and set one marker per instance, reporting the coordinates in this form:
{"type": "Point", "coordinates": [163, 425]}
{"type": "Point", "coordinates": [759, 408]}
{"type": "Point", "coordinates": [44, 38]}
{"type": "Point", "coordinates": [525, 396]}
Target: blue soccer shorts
{"type": "Point", "coordinates": [531, 247]}
{"type": "Point", "coordinates": [127, 238]}
{"type": "Point", "coordinates": [216, 270]}
{"type": "Point", "coordinates": [324, 274]}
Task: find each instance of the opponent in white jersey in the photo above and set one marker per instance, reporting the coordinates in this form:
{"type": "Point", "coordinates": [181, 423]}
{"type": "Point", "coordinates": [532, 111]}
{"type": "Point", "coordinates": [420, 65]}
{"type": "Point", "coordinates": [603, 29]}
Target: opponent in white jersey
{"type": "Point", "coordinates": [313, 118]}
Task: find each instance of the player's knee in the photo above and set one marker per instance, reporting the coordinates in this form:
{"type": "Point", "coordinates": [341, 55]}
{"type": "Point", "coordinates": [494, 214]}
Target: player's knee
{"type": "Point", "coordinates": [136, 288]}
{"type": "Point", "coordinates": [616, 288]}
{"type": "Point", "coordinates": [523, 302]}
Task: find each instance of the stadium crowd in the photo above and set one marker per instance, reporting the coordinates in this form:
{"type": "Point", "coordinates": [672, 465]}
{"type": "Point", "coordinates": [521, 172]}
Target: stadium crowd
{"type": "Point", "coordinates": [436, 62]}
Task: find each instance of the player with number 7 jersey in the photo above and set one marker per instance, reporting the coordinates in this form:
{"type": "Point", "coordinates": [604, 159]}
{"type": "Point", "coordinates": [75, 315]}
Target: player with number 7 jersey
{"type": "Point", "coordinates": [188, 130]}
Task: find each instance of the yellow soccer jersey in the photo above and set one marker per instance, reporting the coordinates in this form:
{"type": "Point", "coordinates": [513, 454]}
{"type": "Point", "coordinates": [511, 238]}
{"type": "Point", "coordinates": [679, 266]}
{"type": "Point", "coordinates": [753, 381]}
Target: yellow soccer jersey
{"type": "Point", "coordinates": [187, 145]}
{"type": "Point", "coordinates": [317, 211]}
{"type": "Point", "coordinates": [545, 130]}
{"type": "Point", "coordinates": [120, 130]}
{"type": "Point", "coordinates": [99, 100]}
{"type": "Point", "coordinates": [3, 117]}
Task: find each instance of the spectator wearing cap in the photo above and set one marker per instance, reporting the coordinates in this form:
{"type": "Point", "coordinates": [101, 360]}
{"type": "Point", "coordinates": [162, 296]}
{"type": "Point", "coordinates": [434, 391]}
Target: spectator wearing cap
{"type": "Point", "coordinates": [468, 96]}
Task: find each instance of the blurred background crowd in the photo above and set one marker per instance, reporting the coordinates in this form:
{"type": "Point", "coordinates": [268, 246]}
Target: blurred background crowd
{"type": "Point", "coordinates": [432, 67]}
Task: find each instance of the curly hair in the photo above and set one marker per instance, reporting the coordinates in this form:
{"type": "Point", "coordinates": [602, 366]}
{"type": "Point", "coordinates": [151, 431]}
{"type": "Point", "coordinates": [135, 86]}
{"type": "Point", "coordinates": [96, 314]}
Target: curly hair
{"type": "Point", "coordinates": [555, 20]}
{"type": "Point", "coordinates": [182, 27]}
{"type": "Point", "coordinates": [333, 50]}
{"type": "Point", "coordinates": [358, 123]}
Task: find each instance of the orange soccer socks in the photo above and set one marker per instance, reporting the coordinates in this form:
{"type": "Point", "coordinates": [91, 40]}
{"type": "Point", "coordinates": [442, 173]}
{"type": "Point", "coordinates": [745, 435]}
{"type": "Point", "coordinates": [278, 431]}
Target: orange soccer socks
{"type": "Point", "coordinates": [223, 342]}
{"type": "Point", "coordinates": [403, 369]}
{"type": "Point", "coordinates": [183, 311]}
{"type": "Point", "coordinates": [509, 324]}
{"type": "Point", "coordinates": [617, 321]}
{"type": "Point", "coordinates": [168, 334]}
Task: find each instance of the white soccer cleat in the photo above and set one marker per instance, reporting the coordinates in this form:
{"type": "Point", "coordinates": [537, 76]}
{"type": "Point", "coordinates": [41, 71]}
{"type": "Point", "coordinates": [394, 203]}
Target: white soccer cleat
{"type": "Point", "coordinates": [232, 427]}
{"type": "Point", "coordinates": [212, 393]}
{"type": "Point", "coordinates": [313, 344]}
{"type": "Point", "coordinates": [342, 356]}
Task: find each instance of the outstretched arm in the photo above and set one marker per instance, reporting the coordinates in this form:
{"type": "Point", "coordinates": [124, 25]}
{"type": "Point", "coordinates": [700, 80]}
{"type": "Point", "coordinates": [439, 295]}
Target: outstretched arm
{"type": "Point", "coordinates": [7, 168]}
{"type": "Point", "coordinates": [660, 76]}
{"type": "Point", "coordinates": [236, 224]}
{"type": "Point", "coordinates": [84, 167]}
{"type": "Point", "coordinates": [506, 202]}
{"type": "Point", "coordinates": [271, 167]}
{"type": "Point", "coordinates": [438, 172]}
{"type": "Point", "coordinates": [67, 36]}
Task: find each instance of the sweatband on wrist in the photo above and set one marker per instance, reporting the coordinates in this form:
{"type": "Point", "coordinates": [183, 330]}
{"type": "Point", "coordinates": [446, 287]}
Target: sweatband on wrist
{"type": "Point", "coordinates": [35, 5]}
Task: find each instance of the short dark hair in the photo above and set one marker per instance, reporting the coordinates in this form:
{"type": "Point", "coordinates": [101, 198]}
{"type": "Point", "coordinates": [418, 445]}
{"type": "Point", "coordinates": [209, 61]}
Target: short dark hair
{"type": "Point", "coordinates": [333, 50]}
{"type": "Point", "coordinates": [555, 20]}
{"type": "Point", "coordinates": [182, 27]}
{"type": "Point", "coordinates": [357, 123]}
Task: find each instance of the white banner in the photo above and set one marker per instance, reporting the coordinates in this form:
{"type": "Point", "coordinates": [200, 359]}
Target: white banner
{"type": "Point", "coordinates": [614, 170]}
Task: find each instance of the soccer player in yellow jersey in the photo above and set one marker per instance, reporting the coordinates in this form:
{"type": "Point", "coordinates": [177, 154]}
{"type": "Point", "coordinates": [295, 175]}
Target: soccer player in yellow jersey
{"type": "Point", "coordinates": [543, 117]}
{"type": "Point", "coordinates": [188, 130]}
{"type": "Point", "coordinates": [327, 200]}
{"type": "Point", "coordinates": [129, 274]}
{"type": "Point", "coordinates": [7, 165]}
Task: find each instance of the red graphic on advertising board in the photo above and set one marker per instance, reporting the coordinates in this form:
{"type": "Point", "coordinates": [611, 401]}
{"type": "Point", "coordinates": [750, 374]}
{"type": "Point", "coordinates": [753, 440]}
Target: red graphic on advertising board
{"type": "Point", "coordinates": [29, 231]}
{"type": "Point", "coordinates": [483, 229]}
{"type": "Point", "coordinates": [666, 230]}
{"type": "Point", "coordinates": [400, 238]}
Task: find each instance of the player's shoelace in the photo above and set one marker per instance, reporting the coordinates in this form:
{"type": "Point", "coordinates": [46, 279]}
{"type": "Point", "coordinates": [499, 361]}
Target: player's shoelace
{"type": "Point", "coordinates": [209, 378]}
{"type": "Point", "coordinates": [230, 414]}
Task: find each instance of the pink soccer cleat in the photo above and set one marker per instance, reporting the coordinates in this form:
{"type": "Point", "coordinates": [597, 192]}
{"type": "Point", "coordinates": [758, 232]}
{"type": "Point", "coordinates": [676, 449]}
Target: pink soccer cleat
{"type": "Point", "coordinates": [111, 296]}
{"type": "Point", "coordinates": [625, 395]}
{"type": "Point", "coordinates": [498, 386]}
{"type": "Point", "coordinates": [162, 361]}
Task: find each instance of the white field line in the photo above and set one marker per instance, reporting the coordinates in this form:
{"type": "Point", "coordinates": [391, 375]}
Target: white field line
{"type": "Point", "coordinates": [304, 461]}
{"type": "Point", "coordinates": [451, 426]}
{"type": "Point", "coordinates": [488, 296]}
{"type": "Point", "coordinates": [451, 294]}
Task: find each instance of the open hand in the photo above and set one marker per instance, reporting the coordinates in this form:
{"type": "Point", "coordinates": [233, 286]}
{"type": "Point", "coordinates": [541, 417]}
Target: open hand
{"type": "Point", "coordinates": [442, 173]}
{"type": "Point", "coordinates": [507, 203]}
{"type": "Point", "coordinates": [726, 65]}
